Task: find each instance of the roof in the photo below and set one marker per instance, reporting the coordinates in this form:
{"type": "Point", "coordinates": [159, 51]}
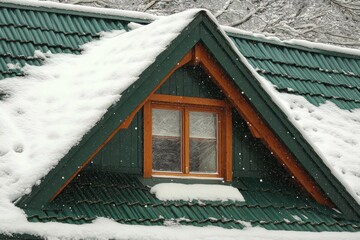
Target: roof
{"type": "Point", "coordinates": [126, 199]}
{"type": "Point", "coordinates": [274, 61]}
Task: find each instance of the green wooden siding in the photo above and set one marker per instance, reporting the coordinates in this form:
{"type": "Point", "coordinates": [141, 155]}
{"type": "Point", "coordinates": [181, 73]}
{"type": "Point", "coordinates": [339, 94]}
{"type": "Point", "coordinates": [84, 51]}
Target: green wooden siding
{"type": "Point", "coordinates": [190, 82]}
{"type": "Point", "coordinates": [250, 156]}
{"type": "Point", "coordinates": [124, 153]}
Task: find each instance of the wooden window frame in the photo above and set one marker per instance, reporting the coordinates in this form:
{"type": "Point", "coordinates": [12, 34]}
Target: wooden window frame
{"type": "Point", "coordinates": [187, 104]}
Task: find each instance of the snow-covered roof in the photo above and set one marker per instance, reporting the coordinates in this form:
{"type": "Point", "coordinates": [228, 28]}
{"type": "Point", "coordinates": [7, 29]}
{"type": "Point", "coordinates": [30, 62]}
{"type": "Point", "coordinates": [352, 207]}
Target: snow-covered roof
{"type": "Point", "coordinates": [78, 9]}
{"type": "Point", "coordinates": [334, 133]}
{"type": "Point", "coordinates": [47, 112]}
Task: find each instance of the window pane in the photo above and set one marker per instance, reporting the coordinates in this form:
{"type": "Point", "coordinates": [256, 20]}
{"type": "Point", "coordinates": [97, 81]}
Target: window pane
{"type": "Point", "coordinates": [166, 140]}
{"type": "Point", "coordinates": [203, 142]}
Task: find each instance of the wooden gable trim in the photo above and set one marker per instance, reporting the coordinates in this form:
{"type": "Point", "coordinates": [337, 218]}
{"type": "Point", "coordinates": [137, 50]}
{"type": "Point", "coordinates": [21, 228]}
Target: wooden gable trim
{"type": "Point", "coordinates": [125, 124]}
{"type": "Point", "coordinates": [200, 56]}
{"type": "Point", "coordinates": [257, 126]}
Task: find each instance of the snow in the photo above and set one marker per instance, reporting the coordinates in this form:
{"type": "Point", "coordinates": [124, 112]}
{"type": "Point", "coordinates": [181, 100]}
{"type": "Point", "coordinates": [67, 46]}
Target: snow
{"type": "Point", "coordinates": [103, 228]}
{"type": "Point", "coordinates": [83, 9]}
{"type": "Point", "coordinates": [294, 42]}
{"type": "Point", "coordinates": [333, 133]}
{"type": "Point", "coordinates": [191, 192]}
{"type": "Point", "coordinates": [47, 112]}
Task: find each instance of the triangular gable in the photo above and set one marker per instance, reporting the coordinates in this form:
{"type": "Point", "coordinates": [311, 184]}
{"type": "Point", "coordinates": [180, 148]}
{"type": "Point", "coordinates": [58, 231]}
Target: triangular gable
{"type": "Point", "coordinates": [201, 30]}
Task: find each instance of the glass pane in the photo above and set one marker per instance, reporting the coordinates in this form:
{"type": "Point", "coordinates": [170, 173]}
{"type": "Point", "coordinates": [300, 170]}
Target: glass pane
{"type": "Point", "coordinates": [166, 140]}
{"type": "Point", "coordinates": [203, 142]}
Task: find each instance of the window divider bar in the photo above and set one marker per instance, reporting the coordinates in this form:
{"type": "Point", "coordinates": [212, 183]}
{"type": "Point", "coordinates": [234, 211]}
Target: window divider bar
{"type": "Point", "coordinates": [186, 142]}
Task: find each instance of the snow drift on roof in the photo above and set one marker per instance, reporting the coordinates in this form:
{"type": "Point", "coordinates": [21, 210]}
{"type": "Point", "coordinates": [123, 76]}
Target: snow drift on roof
{"type": "Point", "coordinates": [333, 133]}
{"type": "Point", "coordinates": [47, 112]}
{"type": "Point", "coordinates": [191, 192]}
{"type": "Point", "coordinates": [82, 9]}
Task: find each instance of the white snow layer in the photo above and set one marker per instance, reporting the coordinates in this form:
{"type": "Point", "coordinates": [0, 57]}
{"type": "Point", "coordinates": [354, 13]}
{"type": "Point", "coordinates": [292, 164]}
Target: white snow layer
{"type": "Point", "coordinates": [82, 9]}
{"type": "Point", "coordinates": [48, 111]}
{"type": "Point", "coordinates": [295, 42]}
{"type": "Point", "coordinates": [333, 133]}
{"type": "Point", "coordinates": [191, 192]}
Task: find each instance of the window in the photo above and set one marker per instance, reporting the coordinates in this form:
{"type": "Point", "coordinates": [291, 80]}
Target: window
{"type": "Point", "coordinates": [186, 137]}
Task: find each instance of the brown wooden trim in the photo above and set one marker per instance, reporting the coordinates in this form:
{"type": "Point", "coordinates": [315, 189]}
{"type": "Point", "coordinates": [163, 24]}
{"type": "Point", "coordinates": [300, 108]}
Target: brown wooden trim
{"type": "Point", "coordinates": [249, 114]}
{"type": "Point", "coordinates": [147, 140]}
{"type": "Point", "coordinates": [125, 124]}
{"type": "Point", "coordinates": [187, 100]}
{"type": "Point", "coordinates": [186, 105]}
{"type": "Point", "coordinates": [199, 55]}
{"type": "Point", "coordinates": [180, 174]}
{"type": "Point", "coordinates": [185, 60]}
{"type": "Point", "coordinates": [228, 144]}
{"type": "Point", "coordinates": [186, 141]}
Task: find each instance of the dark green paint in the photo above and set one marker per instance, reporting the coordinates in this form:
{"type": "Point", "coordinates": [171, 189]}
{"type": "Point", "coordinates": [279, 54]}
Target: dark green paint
{"type": "Point", "coordinates": [251, 158]}
{"type": "Point", "coordinates": [191, 82]}
{"type": "Point", "coordinates": [200, 29]}
{"type": "Point", "coordinates": [124, 152]}
{"type": "Point", "coordinates": [23, 31]}
{"type": "Point", "coordinates": [316, 76]}
{"type": "Point", "coordinates": [125, 199]}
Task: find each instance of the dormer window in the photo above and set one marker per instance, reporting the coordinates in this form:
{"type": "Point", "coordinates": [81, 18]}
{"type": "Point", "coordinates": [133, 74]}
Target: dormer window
{"type": "Point", "coordinates": [185, 137]}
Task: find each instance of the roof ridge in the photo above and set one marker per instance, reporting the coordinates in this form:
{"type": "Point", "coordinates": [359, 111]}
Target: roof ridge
{"type": "Point", "coordinates": [299, 44]}
{"type": "Point", "coordinates": [80, 10]}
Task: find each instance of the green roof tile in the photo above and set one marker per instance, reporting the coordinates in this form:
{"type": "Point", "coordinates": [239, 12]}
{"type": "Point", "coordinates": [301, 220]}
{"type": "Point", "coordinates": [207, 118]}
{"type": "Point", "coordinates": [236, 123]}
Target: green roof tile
{"type": "Point", "coordinates": [123, 198]}
{"type": "Point", "coordinates": [23, 31]}
{"type": "Point", "coordinates": [317, 76]}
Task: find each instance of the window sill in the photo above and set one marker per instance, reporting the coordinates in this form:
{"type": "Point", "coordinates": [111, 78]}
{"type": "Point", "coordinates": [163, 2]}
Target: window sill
{"type": "Point", "coordinates": [185, 180]}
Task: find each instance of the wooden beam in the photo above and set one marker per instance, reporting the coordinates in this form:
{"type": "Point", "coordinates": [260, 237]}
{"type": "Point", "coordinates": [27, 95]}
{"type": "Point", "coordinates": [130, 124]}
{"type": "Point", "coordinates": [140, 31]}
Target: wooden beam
{"type": "Point", "coordinates": [228, 144]}
{"type": "Point", "coordinates": [187, 100]}
{"type": "Point", "coordinates": [125, 124]}
{"type": "Point", "coordinates": [260, 128]}
{"type": "Point", "coordinates": [147, 140]}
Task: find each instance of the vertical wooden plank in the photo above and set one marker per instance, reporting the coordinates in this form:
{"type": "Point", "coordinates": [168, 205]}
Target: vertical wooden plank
{"type": "Point", "coordinates": [140, 130]}
{"type": "Point", "coordinates": [186, 141]}
{"type": "Point", "coordinates": [172, 84]}
{"type": "Point", "coordinates": [133, 150]}
{"type": "Point", "coordinates": [228, 144]}
{"type": "Point", "coordinates": [187, 82]}
{"type": "Point", "coordinates": [179, 82]}
{"type": "Point", "coordinates": [147, 140]}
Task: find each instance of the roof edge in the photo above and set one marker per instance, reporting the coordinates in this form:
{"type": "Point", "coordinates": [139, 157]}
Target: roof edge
{"type": "Point", "coordinates": [84, 11]}
{"type": "Point", "coordinates": [299, 44]}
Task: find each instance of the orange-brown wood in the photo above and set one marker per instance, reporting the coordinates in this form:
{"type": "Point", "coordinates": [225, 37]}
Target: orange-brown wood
{"type": "Point", "coordinates": [187, 104]}
{"type": "Point", "coordinates": [125, 124]}
{"type": "Point", "coordinates": [147, 140]}
{"type": "Point", "coordinates": [228, 144]}
{"type": "Point", "coordinates": [199, 55]}
{"type": "Point", "coordinates": [187, 100]}
{"type": "Point", "coordinates": [186, 142]}
{"type": "Point", "coordinates": [180, 174]}
{"type": "Point", "coordinates": [260, 128]}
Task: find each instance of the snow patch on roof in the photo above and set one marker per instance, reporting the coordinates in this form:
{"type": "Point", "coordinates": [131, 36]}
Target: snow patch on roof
{"type": "Point", "coordinates": [191, 192]}
{"type": "Point", "coordinates": [82, 9]}
{"type": "Point", "coordinates": [333, 133]}
{"type": "Point", "coordinates": [47, 112]}
{"type": "Point", "coordinates": [294, 42]}
{"type": "Point", "coordinates": [103, 228]}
